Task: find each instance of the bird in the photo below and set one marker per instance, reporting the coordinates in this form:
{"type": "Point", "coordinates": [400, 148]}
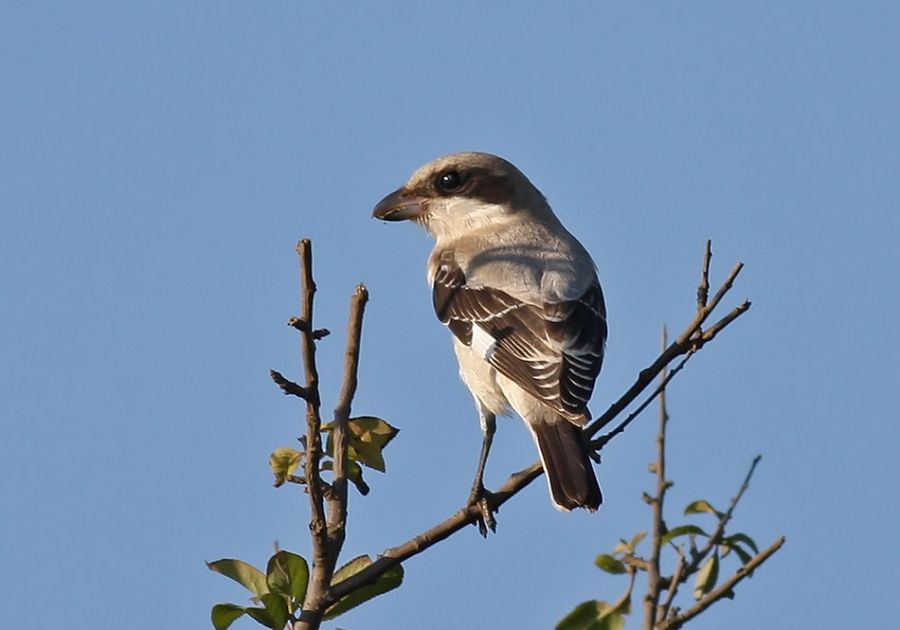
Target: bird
{"type": "Point", "coordinates": [523, 301]}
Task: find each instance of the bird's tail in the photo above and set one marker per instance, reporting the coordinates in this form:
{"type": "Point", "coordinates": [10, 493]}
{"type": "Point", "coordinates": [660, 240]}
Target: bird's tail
{"type": "Point", "coordinates": [565, 455]}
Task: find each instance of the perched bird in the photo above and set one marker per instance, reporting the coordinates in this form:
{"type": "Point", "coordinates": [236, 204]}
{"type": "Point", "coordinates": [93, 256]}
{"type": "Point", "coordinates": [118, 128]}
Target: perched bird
{"type": "Point", "coordinates": [520, 295]}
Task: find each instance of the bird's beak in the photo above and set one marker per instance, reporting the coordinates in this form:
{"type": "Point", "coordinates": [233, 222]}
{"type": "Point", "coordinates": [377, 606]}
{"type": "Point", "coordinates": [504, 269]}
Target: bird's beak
{"type": "Point", "coordinates": [400, 205]}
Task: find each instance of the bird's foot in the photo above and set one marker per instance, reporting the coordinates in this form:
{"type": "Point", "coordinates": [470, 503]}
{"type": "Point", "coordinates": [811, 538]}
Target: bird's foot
{"type": "Point", "coordinates": [484, 500]}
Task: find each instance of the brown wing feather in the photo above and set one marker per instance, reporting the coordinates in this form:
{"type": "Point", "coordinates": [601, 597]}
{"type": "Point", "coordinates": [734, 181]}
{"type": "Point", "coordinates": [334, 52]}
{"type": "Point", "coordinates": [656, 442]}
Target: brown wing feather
{"type": "Point", "coordinates": [554, 352]}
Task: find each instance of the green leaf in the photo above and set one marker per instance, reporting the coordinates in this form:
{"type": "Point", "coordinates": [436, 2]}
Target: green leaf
{"type": "Point", "coordinates": [350, 568]}
{"type": "Point", "coordinates": [743, 555]}
{"type": "Point", "coordinates": [277, 607]}
{"type": "Point", "coordinates": [389, 580]}
{"type": "Point", "coordinates": [592, 615]}
{"type": "Point", "coordinates": [354, 474]}
{"type": "Point", "coordinates": [288, 574]}
{"type": "Point", "coordinates": [244, 574]}
{"type": "Point", "coordinates": [329, 441]}
{"type": "Point", "coordinates": [367, 436]}
{"type": "Point", "coordinates": [700, 505]}
{"type": "Point", "coordinates": [283, 462]}
{"type": "Point", "coordinates": [372, 429]}
{"type": "Point", "coordinates": [263, 617]}
{"type": "Point", "coordinates": [682, 530]}
{"type": "Point", "coordinates": [223, 615]}
{"type": "Point", "coordinates": [744, 538]}
{"type": "Point", "coordinates": [707, 576]}
{"type": "Point", "coordinates": [609, 564]}
{"type": "Point", "coordinates": [367, 454]}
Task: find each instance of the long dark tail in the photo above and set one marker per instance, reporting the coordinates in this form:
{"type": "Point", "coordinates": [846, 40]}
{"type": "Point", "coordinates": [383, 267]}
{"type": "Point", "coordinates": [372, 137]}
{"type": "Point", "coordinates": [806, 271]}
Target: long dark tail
{"type": "Point", "coordinates": [564, 453]}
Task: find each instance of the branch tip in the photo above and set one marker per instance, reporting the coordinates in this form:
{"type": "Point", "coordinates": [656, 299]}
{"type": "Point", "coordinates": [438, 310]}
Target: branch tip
{"type": "Point", "coordinates": [298, 323]}
{"type": "Point", "coordinates": [289, 387]}
{"type": "Point", "coordinates": [703, 288]}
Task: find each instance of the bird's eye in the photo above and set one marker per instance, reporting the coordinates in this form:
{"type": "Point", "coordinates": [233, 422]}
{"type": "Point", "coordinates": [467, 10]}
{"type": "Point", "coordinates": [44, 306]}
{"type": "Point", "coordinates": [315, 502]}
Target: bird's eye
{"type": "Point", "coordinates": [449, 182]}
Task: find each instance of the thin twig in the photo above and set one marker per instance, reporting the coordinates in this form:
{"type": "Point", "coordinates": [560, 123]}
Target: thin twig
{"type": "Point", "coordinates": [337, 502]}
{"type": "Point", "coordinates": [290, 388]}
{"type": "Point", "coordinates": [601, 441]}
{"type": "Point", "coordinates": [672, 586]}
{"type": "Point", "coordinates": [303, 326]}
{"type": "Point", "coordinates": [736, 312]}
{"type": "Point", "coordinates": [722, 590]}
{"type": "Point", "coordinates": [689, 339]}
{"type": "Point", "coordinates": [623, 601]}
{"type": "Point", "coordinates": [703, 288]}
{"type": "Point", "coordinates": [697, 556]}
{"type": "Point", "coordinates": [651, 599]}
{"type": "Point", "coordinates": [705, 312]}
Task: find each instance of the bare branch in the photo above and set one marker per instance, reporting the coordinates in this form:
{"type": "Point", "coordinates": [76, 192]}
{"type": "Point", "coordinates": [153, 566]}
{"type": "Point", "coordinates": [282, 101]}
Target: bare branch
{"type": "Point", "coordinates": [454, 523]}
{"type": "Point", "coordinates": [303, 326]}
{"type": "Point", "coordinates": [636, 562]}
{"type": "Point", "coordinates": [672, 586]}
{"type": "Point", "coordinates": [723, 590]}
{"type": "Point", "coordinates": [600, 442]}
{"type": "Point", "coordinates": [691, 339]}
{"type": "Point", "coordinates": [320, 575]}
{"type": "Point", "coordinates": [337, 502]}
{"type": "Point", "coordinates": [287, 386]}
{"type": "Point", "coordinates": [713, 330]}
{"type": "Point", "coordinates": [703, 288]}
{"type": "Point", "coordinates": [651, 599]}
{"type": "Point", "coordinates": [705, 312]}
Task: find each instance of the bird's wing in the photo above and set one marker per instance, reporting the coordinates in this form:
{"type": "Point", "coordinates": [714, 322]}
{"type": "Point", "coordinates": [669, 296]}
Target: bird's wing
{"type": "Point", "coordinates": [552, 351]}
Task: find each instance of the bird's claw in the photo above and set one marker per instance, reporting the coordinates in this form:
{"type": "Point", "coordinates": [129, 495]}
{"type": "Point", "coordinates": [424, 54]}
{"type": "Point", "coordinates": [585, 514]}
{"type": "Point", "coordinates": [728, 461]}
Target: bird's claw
{"type": "Point", "coordinates": [484, 500]}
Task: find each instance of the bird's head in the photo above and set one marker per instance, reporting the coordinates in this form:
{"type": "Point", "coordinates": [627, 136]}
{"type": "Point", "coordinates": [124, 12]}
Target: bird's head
{"type": "Point", "coordinates": [462, 192]}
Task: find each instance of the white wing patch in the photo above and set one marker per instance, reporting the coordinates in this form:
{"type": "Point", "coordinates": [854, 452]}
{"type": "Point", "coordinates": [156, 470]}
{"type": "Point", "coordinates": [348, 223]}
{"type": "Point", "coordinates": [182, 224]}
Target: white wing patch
{"type": "Point", "coordinates": [483, 342]}
{"type": "Point", "coordinates": [553, 351]}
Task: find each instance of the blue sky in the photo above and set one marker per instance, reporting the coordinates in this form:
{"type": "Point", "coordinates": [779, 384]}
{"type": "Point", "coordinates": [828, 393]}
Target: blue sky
{"type": "Point", "coordinates": [158, 162]}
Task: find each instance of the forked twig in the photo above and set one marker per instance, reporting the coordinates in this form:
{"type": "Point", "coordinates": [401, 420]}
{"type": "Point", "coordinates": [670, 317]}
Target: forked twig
{"type": "Point", "coordinates": [327, 531]}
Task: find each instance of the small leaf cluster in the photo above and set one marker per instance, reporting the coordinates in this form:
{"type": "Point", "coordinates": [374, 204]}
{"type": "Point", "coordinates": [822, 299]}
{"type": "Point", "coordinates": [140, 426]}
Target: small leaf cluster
{"type": "Point", "coordinates": [367, 436]}
{"type": "Point", "coordinates": [279, 592]}
{"type": "Point", "coordinates": [707, 557]}
{"type": "Point", "coordinates": [700, 560]}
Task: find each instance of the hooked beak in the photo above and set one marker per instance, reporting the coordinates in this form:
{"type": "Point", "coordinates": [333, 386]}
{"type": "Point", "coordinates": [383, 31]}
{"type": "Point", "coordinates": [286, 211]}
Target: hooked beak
{"type": "Point", "coordinates": [400, 205]}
